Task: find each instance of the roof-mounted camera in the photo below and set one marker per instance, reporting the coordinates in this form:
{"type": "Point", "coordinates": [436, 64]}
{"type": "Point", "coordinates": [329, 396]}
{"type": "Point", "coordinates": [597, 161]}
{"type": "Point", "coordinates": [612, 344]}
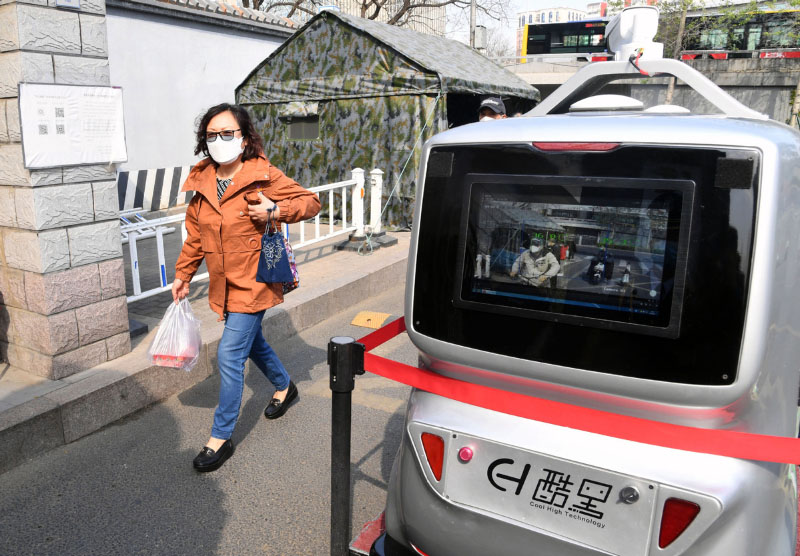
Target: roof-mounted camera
{"type": "Point", "coordinates": [632, 30]}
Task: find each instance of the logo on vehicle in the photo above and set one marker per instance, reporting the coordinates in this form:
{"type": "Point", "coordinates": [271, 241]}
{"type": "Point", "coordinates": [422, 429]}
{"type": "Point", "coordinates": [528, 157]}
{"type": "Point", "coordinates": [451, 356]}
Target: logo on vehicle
{"type": "Point", "coordinates": [555, 490]}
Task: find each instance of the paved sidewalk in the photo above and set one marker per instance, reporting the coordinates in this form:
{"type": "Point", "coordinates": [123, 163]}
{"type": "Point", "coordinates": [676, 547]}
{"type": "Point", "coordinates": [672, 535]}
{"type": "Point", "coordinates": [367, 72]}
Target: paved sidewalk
{"type": "Point", "coordinates": [37, 414]}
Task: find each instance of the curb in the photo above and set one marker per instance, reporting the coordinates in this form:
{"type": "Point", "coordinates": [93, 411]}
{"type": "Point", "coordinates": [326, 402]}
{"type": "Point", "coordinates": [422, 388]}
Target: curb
{"type": "Point", "coordinates": [104, 394]}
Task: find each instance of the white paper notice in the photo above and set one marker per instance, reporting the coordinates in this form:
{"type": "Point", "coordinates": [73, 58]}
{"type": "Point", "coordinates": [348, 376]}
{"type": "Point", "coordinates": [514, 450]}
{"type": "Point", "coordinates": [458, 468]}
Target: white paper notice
{"type": "Point", "coordinates": [65, 125]}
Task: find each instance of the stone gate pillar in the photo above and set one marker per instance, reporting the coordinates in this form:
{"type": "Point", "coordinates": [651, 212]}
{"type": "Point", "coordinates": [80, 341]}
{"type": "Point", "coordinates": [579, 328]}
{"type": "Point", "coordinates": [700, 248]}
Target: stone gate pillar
{"type": "Point", "coordinates": [62, 288]}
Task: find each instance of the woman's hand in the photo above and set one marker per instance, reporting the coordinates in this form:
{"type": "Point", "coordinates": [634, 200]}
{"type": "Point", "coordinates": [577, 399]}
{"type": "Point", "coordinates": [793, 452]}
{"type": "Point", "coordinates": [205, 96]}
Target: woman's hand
{"type": "Point", "coordinates": [180, 289]}
{"type": "Point", "coordinates": [259, 213]}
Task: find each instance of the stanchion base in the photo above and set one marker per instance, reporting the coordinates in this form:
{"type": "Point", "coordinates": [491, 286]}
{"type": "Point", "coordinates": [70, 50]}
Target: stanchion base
{"type": "Point", "coordinates": [354, 244]}
{"type": "Point", "coordinates": [383, 240]}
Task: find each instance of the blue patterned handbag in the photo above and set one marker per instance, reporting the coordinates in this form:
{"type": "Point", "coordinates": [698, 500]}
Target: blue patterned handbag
{"type": "Point", "coordinates": [274, 265]}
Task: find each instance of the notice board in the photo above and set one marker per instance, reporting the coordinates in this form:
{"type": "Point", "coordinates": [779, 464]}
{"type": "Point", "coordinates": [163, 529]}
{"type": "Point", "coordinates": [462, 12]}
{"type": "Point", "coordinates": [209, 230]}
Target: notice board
{"type": "Point", "coordinates": [66, 125]}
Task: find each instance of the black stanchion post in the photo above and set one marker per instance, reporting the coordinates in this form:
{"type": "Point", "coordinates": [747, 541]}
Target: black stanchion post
{"type": "Point", "coordinates": [345, 359]}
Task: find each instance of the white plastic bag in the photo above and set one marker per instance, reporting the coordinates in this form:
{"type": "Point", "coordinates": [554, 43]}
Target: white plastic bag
{"type": "Point", "coordinates": [177, 342]}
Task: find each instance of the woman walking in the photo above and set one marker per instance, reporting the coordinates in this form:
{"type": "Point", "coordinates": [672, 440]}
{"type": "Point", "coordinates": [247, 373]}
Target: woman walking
{"type": "Point", "coordinates": [236, 191]}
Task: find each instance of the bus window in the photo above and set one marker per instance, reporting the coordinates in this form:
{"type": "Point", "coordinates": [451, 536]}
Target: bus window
{"type": "Point", "coordinates": [779, 33]}
{"type": "Point", "coordinates": [572, 37]}
{"type": "Point", "coordinates": [753, 36]}
{"type": "Point", "coordinates": [737, 39]}
{"type": "Point", "coordinates": [713, 39]}
{"type": "Point", "coordinates": [538, 44]}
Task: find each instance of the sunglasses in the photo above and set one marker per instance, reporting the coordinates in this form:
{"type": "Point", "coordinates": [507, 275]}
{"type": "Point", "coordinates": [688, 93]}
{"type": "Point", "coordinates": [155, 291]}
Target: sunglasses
{"type": "Point", "coordinates": [225, 135]}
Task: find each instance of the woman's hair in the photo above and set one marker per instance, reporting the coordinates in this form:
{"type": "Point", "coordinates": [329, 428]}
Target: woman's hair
{"type": "Point", "coordinates": [255, 146]}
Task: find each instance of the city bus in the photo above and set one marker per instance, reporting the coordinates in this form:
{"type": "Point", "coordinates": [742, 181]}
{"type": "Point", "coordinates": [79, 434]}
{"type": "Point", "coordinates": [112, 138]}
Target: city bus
{"type": "Point", "coordinates": [765, 34]}
{"type": "Point", "coordinates": [573, 37]}
{"type": "Point", "coordinates": [718, 35]}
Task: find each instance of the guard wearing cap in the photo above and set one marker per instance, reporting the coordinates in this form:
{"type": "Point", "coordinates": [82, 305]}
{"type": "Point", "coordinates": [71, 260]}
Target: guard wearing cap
{"type": "Point", "coordinates": [491, 108]}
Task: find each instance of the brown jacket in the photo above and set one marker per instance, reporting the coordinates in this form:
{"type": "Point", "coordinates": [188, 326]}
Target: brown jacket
{"type": "Point", "coordinates": [223, 234]}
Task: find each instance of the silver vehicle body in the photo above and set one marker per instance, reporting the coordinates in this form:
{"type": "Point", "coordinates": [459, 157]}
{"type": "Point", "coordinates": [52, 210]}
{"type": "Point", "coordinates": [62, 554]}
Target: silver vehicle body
{"type": "Point", "coordinates": [746, 507]}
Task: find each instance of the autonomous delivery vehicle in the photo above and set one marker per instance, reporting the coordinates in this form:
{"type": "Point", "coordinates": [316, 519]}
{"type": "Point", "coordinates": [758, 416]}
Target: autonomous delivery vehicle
{"type": "Point", "coordinates": [691, 319]}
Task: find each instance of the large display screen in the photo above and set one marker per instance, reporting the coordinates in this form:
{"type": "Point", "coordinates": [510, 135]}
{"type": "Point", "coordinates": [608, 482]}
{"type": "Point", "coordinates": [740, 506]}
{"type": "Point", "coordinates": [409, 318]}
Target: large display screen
{"type": "Point", "coordinates": [591, 251]}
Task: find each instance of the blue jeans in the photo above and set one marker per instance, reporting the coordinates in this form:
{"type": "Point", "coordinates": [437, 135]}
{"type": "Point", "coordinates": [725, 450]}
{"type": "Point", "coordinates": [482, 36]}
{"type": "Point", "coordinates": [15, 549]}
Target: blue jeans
{"type": "Point", "coordinates": [241, 339]}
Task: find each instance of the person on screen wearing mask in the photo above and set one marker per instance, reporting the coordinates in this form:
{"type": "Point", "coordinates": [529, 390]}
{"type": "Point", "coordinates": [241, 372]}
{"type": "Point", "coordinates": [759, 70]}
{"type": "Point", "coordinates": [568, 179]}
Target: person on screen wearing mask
{"type": "Point", "coordinates": [236, 189]}
{"type": "Point", "coordinates": [491, 108]}
{"type": "Point", "coordinates": [536, 266]}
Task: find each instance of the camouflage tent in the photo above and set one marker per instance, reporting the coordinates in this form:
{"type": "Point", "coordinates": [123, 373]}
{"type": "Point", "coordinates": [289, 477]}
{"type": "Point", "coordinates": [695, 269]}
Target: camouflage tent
{"type": "Point", "coordinates": [345, 92]}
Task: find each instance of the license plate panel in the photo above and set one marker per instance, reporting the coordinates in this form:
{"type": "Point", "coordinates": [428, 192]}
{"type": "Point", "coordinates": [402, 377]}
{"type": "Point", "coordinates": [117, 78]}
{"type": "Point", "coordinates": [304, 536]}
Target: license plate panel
{"type": "Point", "coordinates": [568, 499]}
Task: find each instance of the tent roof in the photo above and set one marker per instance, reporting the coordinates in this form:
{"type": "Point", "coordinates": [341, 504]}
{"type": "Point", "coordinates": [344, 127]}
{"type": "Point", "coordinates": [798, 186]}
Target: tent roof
{"type": "Point", "coordinates": [459, 67]}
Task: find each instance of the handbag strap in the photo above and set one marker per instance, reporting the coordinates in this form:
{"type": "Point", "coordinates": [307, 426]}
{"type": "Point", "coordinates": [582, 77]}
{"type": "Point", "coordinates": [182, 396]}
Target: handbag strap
{"type": "Point", "coordinates": [271, 222]}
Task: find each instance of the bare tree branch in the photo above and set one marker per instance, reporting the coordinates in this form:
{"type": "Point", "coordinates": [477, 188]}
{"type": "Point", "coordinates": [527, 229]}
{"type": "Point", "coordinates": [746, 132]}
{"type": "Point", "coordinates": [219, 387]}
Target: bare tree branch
{"type": "Point", "coordinates": [408, 13]}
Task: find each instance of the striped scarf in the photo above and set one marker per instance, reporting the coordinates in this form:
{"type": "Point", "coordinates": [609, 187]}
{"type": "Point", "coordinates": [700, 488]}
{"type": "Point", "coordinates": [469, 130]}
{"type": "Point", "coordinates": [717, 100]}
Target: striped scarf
{"type": "Point", "coordinates": [222, 185]}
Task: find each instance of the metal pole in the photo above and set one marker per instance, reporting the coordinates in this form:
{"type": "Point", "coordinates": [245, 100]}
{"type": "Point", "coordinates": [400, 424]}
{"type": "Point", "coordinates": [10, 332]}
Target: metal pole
{"type": "Point", "coordinates": [162, 265]}
{"type": "Point", "coordinates": [358, 202]}
{"type": "Point", "coordinates": [345, 359]}
{"type": "Point", "coordinates": [137, 287]}
{"type": "Point", "coordinates": [376, 198]}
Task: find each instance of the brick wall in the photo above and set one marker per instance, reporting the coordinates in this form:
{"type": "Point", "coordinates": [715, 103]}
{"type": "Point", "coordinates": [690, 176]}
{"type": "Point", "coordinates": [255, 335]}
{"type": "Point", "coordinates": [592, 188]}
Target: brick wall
{"type": "Point", "coordinates": [62, 289]}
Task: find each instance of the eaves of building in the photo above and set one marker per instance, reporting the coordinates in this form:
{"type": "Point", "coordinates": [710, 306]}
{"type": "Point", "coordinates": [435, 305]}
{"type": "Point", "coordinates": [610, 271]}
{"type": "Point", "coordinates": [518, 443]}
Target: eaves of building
{"type": "Point", "coordinates": [217, 13]}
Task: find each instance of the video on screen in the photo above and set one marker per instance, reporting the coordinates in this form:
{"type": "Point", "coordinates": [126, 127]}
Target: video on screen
{"type": "Point", "coordinates": [591, 250]}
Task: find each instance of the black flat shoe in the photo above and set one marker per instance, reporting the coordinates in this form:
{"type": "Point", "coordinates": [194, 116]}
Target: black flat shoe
{"type": "Point", "coordinates": [209, 460]}
{"type": "Point", "coordinates": [276, 408]}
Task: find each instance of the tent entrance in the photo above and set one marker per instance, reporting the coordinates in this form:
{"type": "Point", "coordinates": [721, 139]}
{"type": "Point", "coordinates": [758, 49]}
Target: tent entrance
{"type": "Point", "coordinates": [463, 108]}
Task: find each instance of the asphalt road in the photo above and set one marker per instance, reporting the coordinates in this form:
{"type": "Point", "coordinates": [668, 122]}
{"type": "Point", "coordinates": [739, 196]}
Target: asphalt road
{"type": "Point", "coordinates": [130, 489]}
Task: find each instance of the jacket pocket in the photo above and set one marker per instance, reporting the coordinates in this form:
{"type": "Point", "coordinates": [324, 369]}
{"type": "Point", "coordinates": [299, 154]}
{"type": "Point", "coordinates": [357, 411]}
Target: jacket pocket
{"type": "Point", "coordinates": [243, 243]}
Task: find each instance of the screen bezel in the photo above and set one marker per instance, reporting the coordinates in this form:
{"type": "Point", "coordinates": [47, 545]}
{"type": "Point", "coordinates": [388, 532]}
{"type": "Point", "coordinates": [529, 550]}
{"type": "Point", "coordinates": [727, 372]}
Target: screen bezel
{"type": "Point", "coordinates": [675, 302]}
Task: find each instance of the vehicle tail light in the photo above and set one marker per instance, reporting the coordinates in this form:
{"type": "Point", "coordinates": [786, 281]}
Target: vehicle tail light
{"type": "Point", "coordinates": [434, 451]}
{"type": "Point", "coordinates": [677, 516]}
{"type": "Point", "coordinates": [571, 146]}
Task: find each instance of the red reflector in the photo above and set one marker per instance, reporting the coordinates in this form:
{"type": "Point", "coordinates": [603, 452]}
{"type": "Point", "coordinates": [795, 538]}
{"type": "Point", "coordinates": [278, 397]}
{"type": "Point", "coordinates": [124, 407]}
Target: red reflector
{"type": "Point", "coordinates": [677, 516]}
{"type": "Point", "coordinates": [568, 146]}
{"type": "Point", "coordinates": [434, 451]}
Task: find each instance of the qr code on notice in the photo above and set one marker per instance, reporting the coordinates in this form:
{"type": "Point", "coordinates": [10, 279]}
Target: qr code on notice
{"type": "Point", "coordinates": [59, 111]}
{"type": "Point", "coordinates": [42, 130]}
{"type": "Point", "coordinates": [59, 129]}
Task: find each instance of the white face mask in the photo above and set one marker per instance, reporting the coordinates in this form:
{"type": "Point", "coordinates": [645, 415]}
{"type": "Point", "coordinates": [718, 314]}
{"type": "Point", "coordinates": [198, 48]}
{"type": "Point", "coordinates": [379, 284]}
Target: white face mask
{"type": "Point", "coordinates": [225, 152]}
{"type": "Point", "coordinates": [486, 119]}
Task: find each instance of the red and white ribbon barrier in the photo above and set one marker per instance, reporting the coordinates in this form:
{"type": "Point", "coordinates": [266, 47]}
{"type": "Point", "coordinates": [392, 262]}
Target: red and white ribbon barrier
{"type": "Point", "coordinates": [727, 443]}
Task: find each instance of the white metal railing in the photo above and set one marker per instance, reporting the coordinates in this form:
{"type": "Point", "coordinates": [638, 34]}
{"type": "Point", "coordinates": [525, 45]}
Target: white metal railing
{"type": "Point", "coordinates": [133, 216]}
{"type": "Point", "coordinates": [144, 229]}
{"type": "Point", "coordinates": [356, 224]}
{"type": "Point", "coordinates": [134, 227]}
